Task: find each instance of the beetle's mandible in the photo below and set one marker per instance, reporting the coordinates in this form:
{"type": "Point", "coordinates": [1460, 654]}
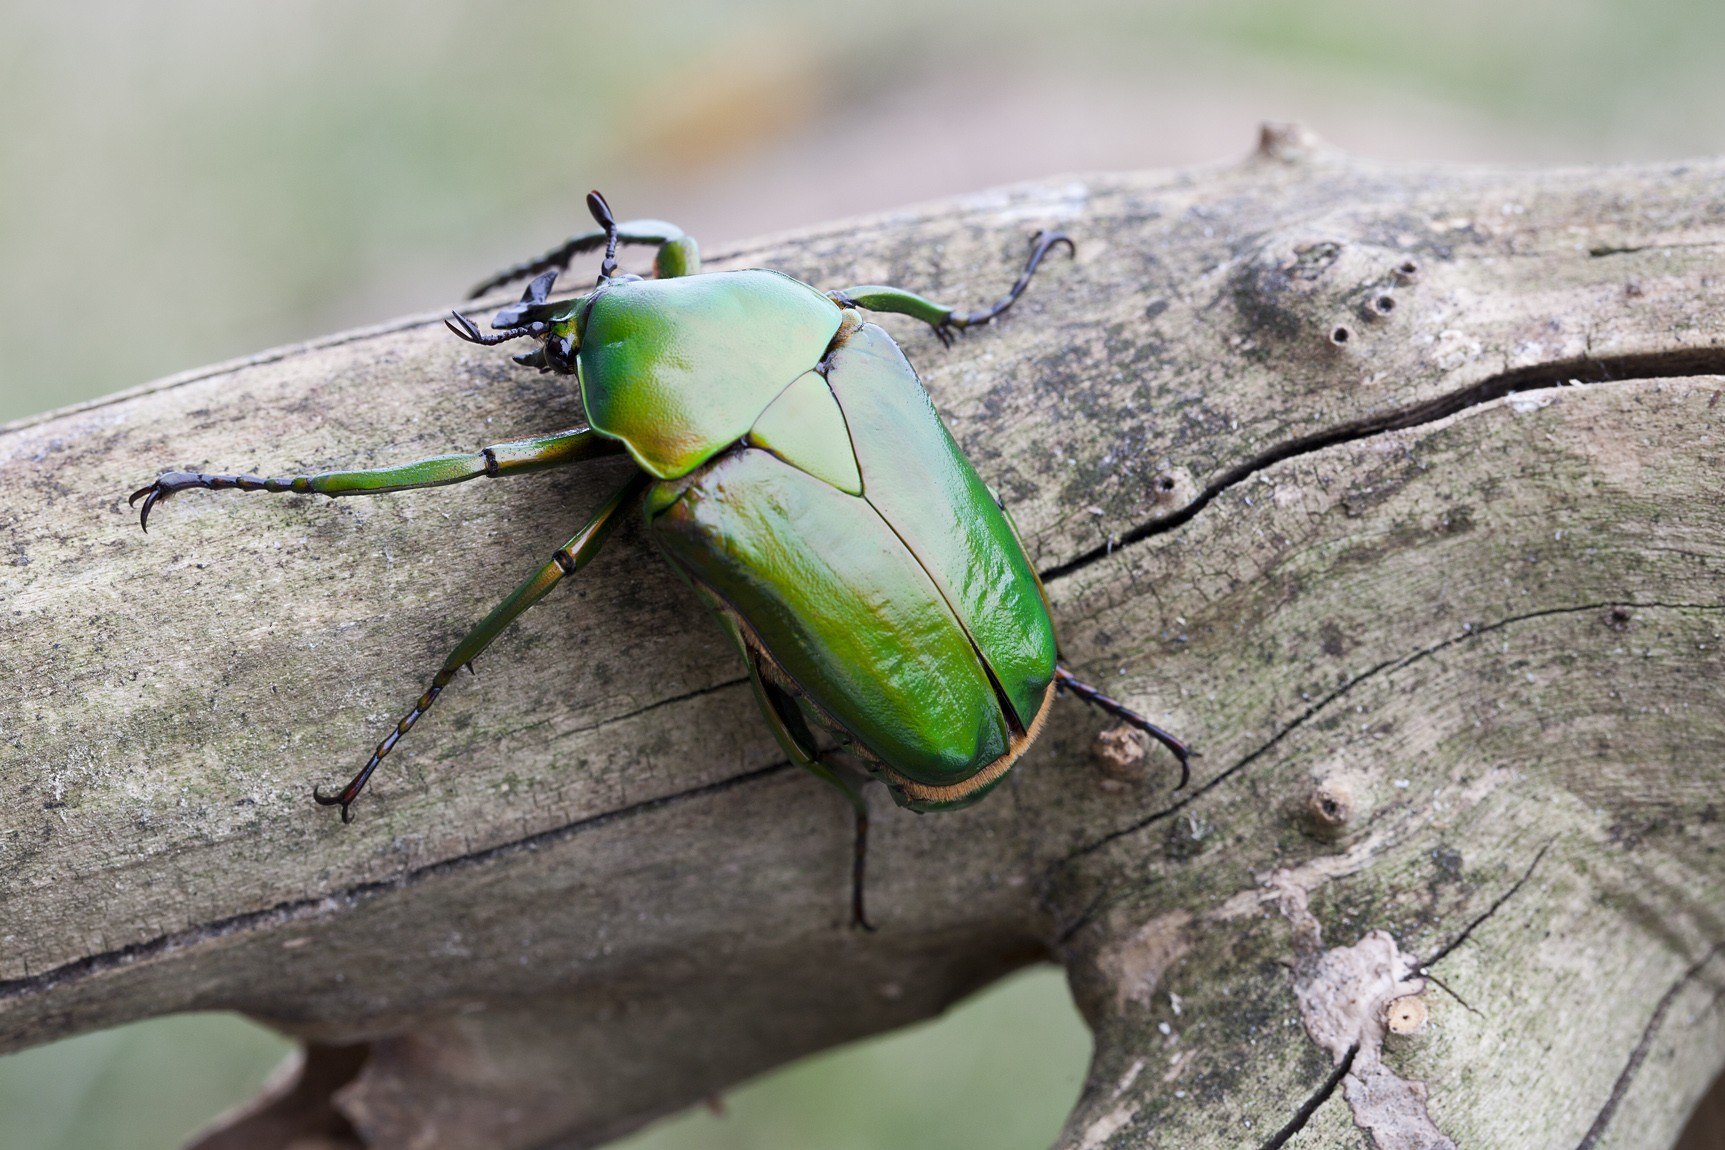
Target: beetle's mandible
{"type": "Point", "coordinates": [793, 470]}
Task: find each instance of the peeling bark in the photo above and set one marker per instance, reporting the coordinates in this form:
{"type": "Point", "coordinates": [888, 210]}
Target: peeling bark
{"type": "Point", "coordinates": [1396, 490]}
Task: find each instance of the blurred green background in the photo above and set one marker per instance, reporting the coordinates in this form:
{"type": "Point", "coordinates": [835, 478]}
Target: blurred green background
{"type": "Point", "coordinates": [190, 180]}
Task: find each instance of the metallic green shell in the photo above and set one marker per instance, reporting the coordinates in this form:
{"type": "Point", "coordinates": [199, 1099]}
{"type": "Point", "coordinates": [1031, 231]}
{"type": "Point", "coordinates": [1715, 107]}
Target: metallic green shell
{"type": "Point", "coordinates": [843, 608]}
{"type": "Point", "coordinates": [921, 483]}
{"type": "Point", "coordinates": [908, 617]}
{"type": "Point", "coordinates": [806, 428]}
{"type": "Point", "coordinates": [680, 369]}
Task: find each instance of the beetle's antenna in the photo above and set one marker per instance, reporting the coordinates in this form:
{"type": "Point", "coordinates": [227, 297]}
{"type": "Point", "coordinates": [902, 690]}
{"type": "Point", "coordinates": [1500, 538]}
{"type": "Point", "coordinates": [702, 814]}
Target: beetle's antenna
{"type": "Point", "coordinates": [602, 214]}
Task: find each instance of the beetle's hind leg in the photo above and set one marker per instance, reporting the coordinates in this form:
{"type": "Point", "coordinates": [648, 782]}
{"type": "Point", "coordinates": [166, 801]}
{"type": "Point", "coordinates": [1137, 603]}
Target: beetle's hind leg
{"type": "Point", "coordinates": [793, 735]}
{"type": "Point", "coordinates": [571, 557]}
{"type": "Point", "coordinates": [794, 738]}
{"type": "Point", "coordinates": [1067, 681]}
{"type": "Point", "coordinates": [946, 321]}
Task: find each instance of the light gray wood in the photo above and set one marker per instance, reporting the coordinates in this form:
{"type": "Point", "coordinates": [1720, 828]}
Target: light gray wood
{"type": "Point", "coordinates": [1440, 604]}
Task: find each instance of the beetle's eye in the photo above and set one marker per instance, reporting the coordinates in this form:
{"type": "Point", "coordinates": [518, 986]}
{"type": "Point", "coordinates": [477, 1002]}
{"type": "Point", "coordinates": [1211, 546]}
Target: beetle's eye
{"type": "Point", "coordinates": [560, 353]}
{"type": "Point", "coordinates": [626, 279]}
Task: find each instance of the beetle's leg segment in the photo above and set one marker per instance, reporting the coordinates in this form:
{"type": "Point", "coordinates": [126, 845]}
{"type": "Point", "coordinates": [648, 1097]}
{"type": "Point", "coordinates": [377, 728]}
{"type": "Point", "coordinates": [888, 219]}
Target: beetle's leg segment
{"type": "Point", "coordinates": [678, 254]}
{"type": "Point", "coordinates": [1067, 681]}
{"type": "Point", "coordinates": [897, 301]}
{"type": "Point", "coordinates": [794, 737]}
{"type": "Point", "coordinates": [785, 719]}
{"type": "Point", "coordinates": [1040, 245]}
{"type": "Point", "coordinates": [944, 320]}
{"type": "Point", "coordinates": [859, 856]}
{"type": "Point", "coordinates": [571, 557]}
{"type": "Point", "coordinates": [513, 458]}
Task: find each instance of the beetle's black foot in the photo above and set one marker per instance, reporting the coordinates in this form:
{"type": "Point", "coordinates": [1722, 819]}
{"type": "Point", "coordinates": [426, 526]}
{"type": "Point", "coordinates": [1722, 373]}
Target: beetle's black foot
{"type": "Point", "coordinates": [1040, 245]}
{"type": "Point", "coordinates": [859, 865]}
{"type": "Point", "coordinates": [340, 798]}
{"type": "Point", "coordinates": [1044, 242]}
{"type": "Point", "coordinates": [165, 485]}
{"type": "Point", "coordinates": [155, 493]}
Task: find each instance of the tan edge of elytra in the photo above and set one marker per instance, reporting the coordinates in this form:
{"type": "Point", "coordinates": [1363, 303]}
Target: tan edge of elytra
{"type": "Point", "coordinates": [918, 792]}
{"type": "Point", "coordinates": [988, 776]}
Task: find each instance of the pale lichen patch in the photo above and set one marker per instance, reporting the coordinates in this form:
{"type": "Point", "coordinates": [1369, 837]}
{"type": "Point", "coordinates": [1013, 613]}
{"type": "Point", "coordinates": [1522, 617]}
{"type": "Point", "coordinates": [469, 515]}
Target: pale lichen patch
{"type": "Point", "coordinates": [1345, 994]}
{"type": "Point", "coordinates": [1098, 1133]}
{"type": "Point", "coordinates": [1136, 965]}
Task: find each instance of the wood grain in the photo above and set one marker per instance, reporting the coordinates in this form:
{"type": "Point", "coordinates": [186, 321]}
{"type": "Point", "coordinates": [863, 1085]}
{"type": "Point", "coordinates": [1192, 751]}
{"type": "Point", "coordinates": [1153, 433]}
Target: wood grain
{"type": "Point", "coordinates": [1396, 490]}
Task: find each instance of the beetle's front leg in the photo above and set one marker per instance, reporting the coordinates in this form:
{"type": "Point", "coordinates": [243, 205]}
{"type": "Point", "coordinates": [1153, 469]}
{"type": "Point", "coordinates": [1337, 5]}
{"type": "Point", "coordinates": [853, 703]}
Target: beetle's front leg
{"type": "Point", "coordinates": [943, 319]}
{"type": "Point", "coordinates": [514, 458]}
{"type": "Point", "coordinates": [678, 254]}
{"type": "Point", "coordinates": [571, 557]}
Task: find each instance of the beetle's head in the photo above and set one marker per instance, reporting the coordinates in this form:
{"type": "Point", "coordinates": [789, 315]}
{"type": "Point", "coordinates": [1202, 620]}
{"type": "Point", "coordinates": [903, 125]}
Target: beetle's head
{"type": "Point", "coordinates": [556, 325]}
{"type": "Point", "coordinates": [556, 352]}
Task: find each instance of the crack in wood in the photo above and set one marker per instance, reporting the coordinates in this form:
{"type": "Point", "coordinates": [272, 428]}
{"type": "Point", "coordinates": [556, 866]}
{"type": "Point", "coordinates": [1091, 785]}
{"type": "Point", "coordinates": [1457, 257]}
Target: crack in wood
{"type": "Point", "coordinates": [654, 706]}
{"type": "Point", "coordinates": [1387, 666]}
{"type": "Point", "coordinates": [1342, 994]}
{"type": "Point", "coordinates": [1623, 369]}
{"type": "Point", "coordinates": [1639, 1055]}
{"type": "Point", "coordinates": [1601, 250]}
{"type": "Point", "coordinates": [315, 905]}
{"type": "Point", "coordinates": [1107, 899]}
{"type": "Point", "coordinates": [1310, 1106]}
{"type": "Point", "coordinates": [1496, 906]}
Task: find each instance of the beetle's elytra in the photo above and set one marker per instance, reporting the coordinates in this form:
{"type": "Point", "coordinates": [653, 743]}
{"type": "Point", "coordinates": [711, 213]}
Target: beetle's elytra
{"type": "Point", "coordinates": [793, 470]}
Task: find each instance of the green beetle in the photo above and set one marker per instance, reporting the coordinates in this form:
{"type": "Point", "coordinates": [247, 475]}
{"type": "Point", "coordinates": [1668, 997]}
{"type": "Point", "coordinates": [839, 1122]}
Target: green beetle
{"type": "Point", "coordinates": [793, 470]}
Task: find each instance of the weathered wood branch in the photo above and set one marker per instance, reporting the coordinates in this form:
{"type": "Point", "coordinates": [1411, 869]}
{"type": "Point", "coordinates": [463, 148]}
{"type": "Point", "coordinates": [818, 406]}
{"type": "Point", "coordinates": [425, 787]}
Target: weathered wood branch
{"type": "Point", "coordinates": [1397, 490]}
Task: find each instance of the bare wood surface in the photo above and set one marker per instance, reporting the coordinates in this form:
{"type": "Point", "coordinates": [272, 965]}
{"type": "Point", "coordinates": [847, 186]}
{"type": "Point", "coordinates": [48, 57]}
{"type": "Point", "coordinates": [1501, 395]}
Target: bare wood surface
{"type": "Point", "coordinates": [1396, 490]}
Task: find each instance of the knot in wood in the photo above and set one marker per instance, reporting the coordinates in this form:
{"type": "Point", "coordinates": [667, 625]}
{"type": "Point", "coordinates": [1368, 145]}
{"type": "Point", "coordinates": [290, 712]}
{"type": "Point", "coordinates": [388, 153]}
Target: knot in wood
{"type": "Point", "coordinates": [1120, 752]}
{"type": "Point", "coordinates": [1330, 807]}
{"type": "Point", "coordinates": [1406, 1015]}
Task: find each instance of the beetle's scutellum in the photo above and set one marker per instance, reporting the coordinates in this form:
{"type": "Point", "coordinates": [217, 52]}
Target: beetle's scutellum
{"type": "Point", "coordinates": [794, 472]}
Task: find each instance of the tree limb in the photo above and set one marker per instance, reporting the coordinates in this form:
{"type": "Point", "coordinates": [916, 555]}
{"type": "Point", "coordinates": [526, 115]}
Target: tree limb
{"type": "Point", "coordinates": [1396, 490]}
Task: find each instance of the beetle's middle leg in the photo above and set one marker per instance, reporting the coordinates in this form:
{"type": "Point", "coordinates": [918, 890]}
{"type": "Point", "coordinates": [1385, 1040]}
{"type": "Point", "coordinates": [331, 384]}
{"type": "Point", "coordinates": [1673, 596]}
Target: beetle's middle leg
{"type": "Point", "coordinates": [571, 557]}
{"type": "Point", "coordinates": [793, 735]}
{"type": "Point", "coordinates": [946, 321]}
